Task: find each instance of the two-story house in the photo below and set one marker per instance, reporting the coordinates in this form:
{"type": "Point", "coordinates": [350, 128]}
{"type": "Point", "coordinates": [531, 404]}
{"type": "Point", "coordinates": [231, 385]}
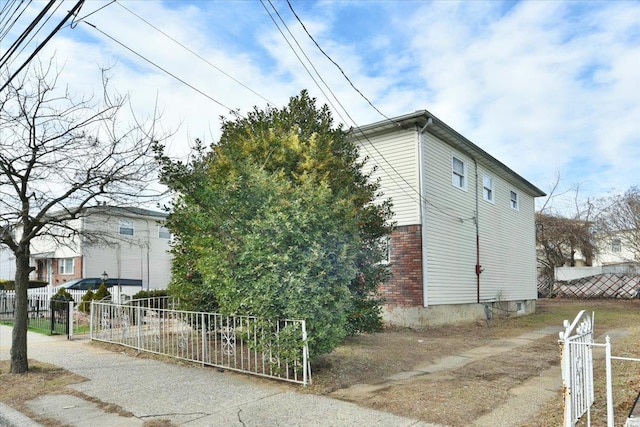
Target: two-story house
{"type": "Point", "coordinates": [464, 244]}
{"type": "Point", "coordinates": [128, 243]}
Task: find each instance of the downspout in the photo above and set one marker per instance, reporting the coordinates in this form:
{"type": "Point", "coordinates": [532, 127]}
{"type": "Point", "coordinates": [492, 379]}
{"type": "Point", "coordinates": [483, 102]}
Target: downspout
{"type": "Point", "coordinates": [477, 222]}
{"type": "Point", "coordinates": [423, 210]}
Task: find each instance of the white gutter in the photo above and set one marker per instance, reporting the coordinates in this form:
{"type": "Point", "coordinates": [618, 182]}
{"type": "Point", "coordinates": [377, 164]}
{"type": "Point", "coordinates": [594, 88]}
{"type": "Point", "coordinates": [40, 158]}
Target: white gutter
{"type": "Point", "coordinates": [423, 211]}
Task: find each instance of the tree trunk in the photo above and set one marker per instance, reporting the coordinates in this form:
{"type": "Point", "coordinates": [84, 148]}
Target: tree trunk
{"type": "Point", "coordinates": [19, 362]}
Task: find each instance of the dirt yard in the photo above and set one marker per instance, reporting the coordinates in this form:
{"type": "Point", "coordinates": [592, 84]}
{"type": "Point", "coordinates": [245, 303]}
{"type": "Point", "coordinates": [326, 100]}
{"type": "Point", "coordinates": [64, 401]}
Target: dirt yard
{"type": "Point", "coordinates": [390, 371]}
{"type": "Point", "coordinates": [453, 376]}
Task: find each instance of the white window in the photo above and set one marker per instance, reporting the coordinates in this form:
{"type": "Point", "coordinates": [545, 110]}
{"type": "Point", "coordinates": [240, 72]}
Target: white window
{"type": "Point", "coordinates": [65, 266]}
{"type": "Point", "coordinates": [459, 173]}
{"type": "Point", "coordinates": [487, 188]}
{"type": "Point", "coordinates": [515, 203]}
{"type": "Point", "coordinates": [616, 245]}
{"type": "Point", "coordinates": [164, 233]}
{"type": "Point", "coordinates": [125, 227]}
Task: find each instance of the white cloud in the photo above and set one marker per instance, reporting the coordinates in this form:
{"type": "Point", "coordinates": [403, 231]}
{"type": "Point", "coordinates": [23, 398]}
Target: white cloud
{"type": "Point", "coordinates": [542, 86]}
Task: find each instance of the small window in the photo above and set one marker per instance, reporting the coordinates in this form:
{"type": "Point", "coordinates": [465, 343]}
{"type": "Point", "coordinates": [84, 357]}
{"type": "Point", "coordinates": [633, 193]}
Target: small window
{"type": "Point", "coordinates": [515, 203]}
{"type": "Point", "coordinates": [520, 307]}
{"type": "Point", "coordinates": [126, 227]}
{"type": "Point", "coordinates": [164, 233]}
{"type": "Point", "coordinates": [616, 245]}
{"type": "Point", "coordinates": [65, 266]}
{"type": "Point", "coordinates": [459, 173]}
{"type": "Point", "coordinates": [487, 188]}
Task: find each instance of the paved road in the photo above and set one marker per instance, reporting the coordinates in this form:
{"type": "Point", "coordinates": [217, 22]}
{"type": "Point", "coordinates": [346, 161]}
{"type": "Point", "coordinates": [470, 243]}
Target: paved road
{"type": "Point", "coordinates": [139, 390]}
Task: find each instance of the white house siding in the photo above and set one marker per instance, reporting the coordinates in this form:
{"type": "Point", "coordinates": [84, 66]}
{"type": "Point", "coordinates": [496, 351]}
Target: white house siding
{"type": "Point", "coordinates": [61, 247]}
{"type": "Point", "coordinates": [450, 230]}
{"type": "Point", "coordinates": [507, 244]}
{"type": "Point", "coordinates": [395, 156]}
{"type": "Point", "coordinates": [142, 256]}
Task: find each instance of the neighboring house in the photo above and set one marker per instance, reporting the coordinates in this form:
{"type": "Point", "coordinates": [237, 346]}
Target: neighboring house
{"type": "Point", "coordinates": [465, 226]}
{"type": "Point", "coordinates": [615, 255]}
{"type": "Point", "coordinates": [129, 243]}
{"type": "Point", "coordinates": [616, 248]}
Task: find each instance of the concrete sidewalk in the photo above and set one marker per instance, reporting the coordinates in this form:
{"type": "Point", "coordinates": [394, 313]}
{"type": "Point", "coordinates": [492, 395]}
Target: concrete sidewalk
{"type": "Point", "coordinates": [139, 390]}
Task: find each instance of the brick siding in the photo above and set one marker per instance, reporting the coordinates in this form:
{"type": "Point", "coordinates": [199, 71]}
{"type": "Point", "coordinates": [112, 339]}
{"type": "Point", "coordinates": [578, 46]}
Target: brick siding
{"type": "Point", "coordinates": [404, 289]}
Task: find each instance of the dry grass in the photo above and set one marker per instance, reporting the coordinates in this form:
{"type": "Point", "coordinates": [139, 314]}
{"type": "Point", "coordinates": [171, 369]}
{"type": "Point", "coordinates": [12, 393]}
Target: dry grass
{"type": "Point", "coordinates": [473, 390]}
{"type": "Point", "coordinates": [452, 397]}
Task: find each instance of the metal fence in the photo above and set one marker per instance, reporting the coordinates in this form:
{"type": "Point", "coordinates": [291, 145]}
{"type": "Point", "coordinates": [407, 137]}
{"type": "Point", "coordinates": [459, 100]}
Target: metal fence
{"type": "Point", "coordinates": [577, 345]}
{"type": "Point", "coordinates": [56, 317]}
{"type": "Point", "coordinates": [273, 349]}
{"type": "Point", "coordinates": [577, 367]}
{"type": "Point", "coordinates": [607, 285]}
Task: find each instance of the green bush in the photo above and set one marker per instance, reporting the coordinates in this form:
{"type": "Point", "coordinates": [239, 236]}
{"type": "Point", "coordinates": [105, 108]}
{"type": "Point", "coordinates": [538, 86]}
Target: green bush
{"type": "Point", "coordinates": [102, 293]}
{"type": "Point", "coordinates": [85, 305]}
{"type": "Point", "coordinates": [155, 293]}
{"type": "Point", "coordinates": [60, 299]}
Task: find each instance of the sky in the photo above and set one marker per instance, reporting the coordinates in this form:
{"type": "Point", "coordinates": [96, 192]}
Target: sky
{"type": "Point", "coordinates": [549, 88]}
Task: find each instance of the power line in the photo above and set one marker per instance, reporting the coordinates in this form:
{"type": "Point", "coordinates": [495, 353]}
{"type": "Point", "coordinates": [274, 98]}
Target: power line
{"type": "Point", "coordinates": [335, 63]}
{"type": "Point", "coordinates": [6, 27]}
{"type": "Point", "coordinates": [14, 46]}
{"type": "Point", "coordinates": [34, 34]}
{"type": "Point", "coordinates": [75, 9]}
{"type": "Point", "coordinates": [193, 52]}
{"type": "Point", "coordinates": [345, 110]}
{"type": "Point", "coordinates": [401, 187]}
{"type": "Point", "coordinates": [158, 66]}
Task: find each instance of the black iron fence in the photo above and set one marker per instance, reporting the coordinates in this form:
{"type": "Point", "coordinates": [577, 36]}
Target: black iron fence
{"type": "Point", "coordinates": [46, 315]}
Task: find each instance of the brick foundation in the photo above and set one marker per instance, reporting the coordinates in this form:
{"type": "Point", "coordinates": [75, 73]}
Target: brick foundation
{"type": "Point", "coordinates": [405, 289]}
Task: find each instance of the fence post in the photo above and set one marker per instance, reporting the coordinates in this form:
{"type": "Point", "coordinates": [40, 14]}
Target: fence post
{"type": "Point", "coordinates": [91, 323]}
{"type": "Point", "coordinates": [204, 338]}
{"type": "Point", "coordinates": [610, 418]}
{"type": "Point", "coordinates": [140, 326]}
{"type": "Point", "coordinates": [566, 378]}
{"type": "Point", "coordinates": [70, 322]}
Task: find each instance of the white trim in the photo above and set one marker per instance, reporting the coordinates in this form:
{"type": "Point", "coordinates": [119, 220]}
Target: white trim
{"type": "Point", "coordinates": [163, 229]}
{"type": "Point", "coordinates": [62, 270]}
{"type": "Point", "coordinates": [488, 193]}
{"type": "Point", "coordinates": [124, 225]}
{"type": "Point", "coordinates": [456, 177]}
{"type": "Point", "coordinates": [514, 203]}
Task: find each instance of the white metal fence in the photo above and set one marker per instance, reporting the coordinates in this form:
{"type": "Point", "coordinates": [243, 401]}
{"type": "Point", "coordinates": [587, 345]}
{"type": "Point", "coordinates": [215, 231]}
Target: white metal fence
{"type": "Point", "coordinates": [577, 343]}
{"type": "Point", "coordinates": [46, 293]}
{"type": "Point", "coordinates": [577, 367]}
{"type": "Point", "coordinates": [241, 343]}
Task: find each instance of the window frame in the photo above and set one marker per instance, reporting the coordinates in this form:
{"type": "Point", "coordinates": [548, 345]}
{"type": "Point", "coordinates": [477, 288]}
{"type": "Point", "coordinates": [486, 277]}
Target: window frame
{"type": "Point", "coordinates": [62, 270]}
{"type": "Point", "coordinates": [616, 245]}
{"type": "Point", "coordinates": [459, 180]}
{"type": "Point", "coordinates": [514, 203]}
{"type": "Point", "coordinates": [163, 229]}
{"type": "Point", "coordinates": [488, 193]}
{"type": "Point", "coordinates": [126, 224]}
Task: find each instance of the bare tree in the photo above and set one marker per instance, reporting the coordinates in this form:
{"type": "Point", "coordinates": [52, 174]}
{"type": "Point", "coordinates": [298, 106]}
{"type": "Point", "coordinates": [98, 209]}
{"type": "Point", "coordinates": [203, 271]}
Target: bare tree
{"type": "Point", "coordinates": [58, 156]}
{"type": "Point", "coordinates": [560, 238]}
{"type": "Point", "coordinates": [620, 219]}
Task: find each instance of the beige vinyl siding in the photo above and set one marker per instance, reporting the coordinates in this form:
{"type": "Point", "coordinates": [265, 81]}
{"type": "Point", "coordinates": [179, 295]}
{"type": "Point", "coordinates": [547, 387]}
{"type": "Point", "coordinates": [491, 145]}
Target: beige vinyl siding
{"type": "Point", "coordinates": [400, 182]}
{"type": "Point", "coordinates": [507, 245]}
{"type": "Point", "coordinates": [450, 229]}
{"type": "Point", "coordinates": [142, 256]}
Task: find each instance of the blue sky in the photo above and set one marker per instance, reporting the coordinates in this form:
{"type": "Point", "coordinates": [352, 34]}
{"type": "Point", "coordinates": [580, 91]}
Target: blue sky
{"type": "Point", "coordinates": [548, 87]}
